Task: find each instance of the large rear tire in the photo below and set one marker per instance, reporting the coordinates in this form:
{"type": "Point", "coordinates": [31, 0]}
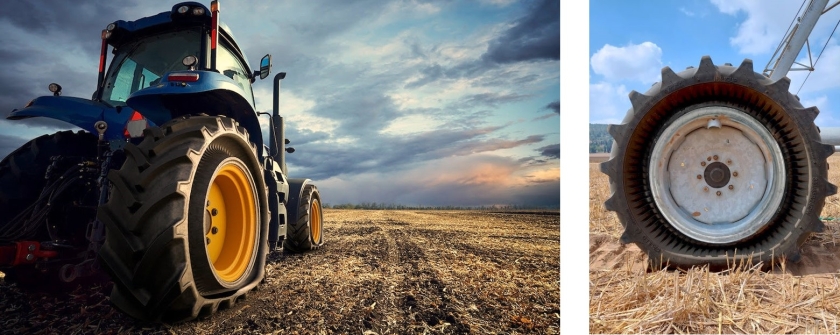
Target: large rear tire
{"type": "Point", "coordinates": [718, 165]}
{"type": "Point", "coordinates": [306, 232]}
{"type": "Point", "coordinates": [22, 171]}
{"type": "Point", "coordinates": [186, 221]}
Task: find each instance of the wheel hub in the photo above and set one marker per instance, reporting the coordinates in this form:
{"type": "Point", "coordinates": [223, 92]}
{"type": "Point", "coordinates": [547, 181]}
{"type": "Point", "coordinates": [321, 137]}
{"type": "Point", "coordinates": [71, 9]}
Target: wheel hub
{"type": "Point", "coordinates": [716, 174]}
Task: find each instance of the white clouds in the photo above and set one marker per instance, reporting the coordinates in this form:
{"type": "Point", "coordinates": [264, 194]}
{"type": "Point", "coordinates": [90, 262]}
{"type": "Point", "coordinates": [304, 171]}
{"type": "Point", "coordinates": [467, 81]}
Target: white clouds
{"type": "Point", "coordinates": [687, 12]}
{"type": "Point", "coordinates": [637, 62]}
{"type": "Point", "coordinates": [824, 76]}
{"type": "Point", "coordinates": [765, 23]}
{"type": "Point", "coordinates": [607, 102]}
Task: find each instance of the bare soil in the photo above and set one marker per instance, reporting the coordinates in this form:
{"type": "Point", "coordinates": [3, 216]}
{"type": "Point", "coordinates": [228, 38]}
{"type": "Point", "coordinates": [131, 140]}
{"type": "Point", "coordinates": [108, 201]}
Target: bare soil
{"type": "Point", "coordinates": [381, 272]}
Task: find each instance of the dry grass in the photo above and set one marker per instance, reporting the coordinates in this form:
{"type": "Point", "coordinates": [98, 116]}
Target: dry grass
{"type": "Point", "coordinates": [381, 272]}
{"type": "Point", "coordinates": [791, 298]}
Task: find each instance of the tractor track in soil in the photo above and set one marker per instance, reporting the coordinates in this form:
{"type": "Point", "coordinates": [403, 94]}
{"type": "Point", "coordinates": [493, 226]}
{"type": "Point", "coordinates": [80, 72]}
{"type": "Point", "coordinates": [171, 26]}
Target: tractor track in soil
{"type": "Point", "coordinates": [380, 272]}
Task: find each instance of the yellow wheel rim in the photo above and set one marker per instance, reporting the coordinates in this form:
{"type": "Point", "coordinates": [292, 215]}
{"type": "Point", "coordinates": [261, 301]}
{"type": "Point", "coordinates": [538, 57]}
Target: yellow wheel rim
{"type": "Point", "coordinates": [315, 220]}
{"type": "Point", "coordinates": [231, 210]}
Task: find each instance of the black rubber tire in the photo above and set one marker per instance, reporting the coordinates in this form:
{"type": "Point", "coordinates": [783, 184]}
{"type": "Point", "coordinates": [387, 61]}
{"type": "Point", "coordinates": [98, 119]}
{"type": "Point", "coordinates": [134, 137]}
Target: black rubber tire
{"type": "Point", "coordinates": [158, 263]}
{"type": "Point", "coordinates": [770, 103]}
{"type": "Point", "coordinates": [299, 232]}
{"type": "Point", "coordinates": [22, 171]}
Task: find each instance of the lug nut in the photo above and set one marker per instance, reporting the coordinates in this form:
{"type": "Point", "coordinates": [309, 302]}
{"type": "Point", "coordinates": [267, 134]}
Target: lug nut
{"type": "Point", "coordinates": [735, 173]}
{"type": "Point", "coordinates": [728, 162]}
{"type": "Point", "coordinates": [731, 187]}
{"type": "Point", "coordinates": [30, 257]}
{"type": "Point", "coordinates": [31, 247]}
{"type": "Point", "coordinates": [214, 230]}
{"type": "Point", "coordinates": [208, 203]}
{"type": "Point", "coordinates": [709, 158]}
{"type": "Point", "coordinates": [705, 189]}
{"type": "Point", "coordinates": [702, 163]}
{"type": "Point", "coordinates": [208, 240]}
{"type": "Point", "coordinates": [214, 212]}
{"type": "Point", "coordinates": [718, 193]}
{"type": "Point", "coordinates": [699, 177]}
{"type": "Point", "coordinates": [715, 157]}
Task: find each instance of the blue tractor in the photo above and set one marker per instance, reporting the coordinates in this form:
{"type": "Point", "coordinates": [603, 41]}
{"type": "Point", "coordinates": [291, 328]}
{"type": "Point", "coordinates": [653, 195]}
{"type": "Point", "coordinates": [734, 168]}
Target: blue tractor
{"type": "Point", "coordinates": [170, 187]}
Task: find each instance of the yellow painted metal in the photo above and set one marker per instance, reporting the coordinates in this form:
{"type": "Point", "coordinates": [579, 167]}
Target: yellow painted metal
{"type": "Point", "coordinates": [315, 222]}
{"type": "Point", "coordinates": [234, 225]}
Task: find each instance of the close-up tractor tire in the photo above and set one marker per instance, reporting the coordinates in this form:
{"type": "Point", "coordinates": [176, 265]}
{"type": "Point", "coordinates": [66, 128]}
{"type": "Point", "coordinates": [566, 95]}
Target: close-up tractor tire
{"type": "Point", "coordinates": [718, 165]}
{"type": "Point", "coordinates": [306, 231]}
{"type": "Point", "coordinates": [186, 221]}
{"type": "Point", "coordinates": [22, 171]}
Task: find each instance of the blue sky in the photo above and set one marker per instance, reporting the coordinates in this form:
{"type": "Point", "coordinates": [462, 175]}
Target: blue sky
{"type": "Point", "coordinates": [631, 41]}
{"type": "Point", "coordinates": [413, 102]}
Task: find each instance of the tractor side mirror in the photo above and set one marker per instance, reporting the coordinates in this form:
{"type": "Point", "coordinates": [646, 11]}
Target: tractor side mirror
{"type": "Point", "coordinates": [265, 66]}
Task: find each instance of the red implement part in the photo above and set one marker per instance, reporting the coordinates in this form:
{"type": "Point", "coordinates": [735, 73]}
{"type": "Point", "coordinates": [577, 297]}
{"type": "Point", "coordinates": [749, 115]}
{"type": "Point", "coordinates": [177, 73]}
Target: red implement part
{"type": "Point", "coordinates": [24, 252]}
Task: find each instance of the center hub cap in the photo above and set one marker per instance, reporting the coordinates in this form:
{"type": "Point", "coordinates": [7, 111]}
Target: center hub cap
{"type": "Point", "coordinates": [717, 175]}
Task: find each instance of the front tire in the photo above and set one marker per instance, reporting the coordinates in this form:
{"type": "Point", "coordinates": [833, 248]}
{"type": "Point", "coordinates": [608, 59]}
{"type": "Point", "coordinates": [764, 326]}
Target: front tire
{"type": "Point", "coordinates": [306, 231]}
{"type": "Point", "coordinates": [185, 221]}
{"type": "Point", "coordinates": [718, 165]}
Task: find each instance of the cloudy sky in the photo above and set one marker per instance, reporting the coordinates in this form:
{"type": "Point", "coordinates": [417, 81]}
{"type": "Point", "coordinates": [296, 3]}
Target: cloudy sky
{"type": "Point", "coordinates": [631, 42]}
{"type": "Point", "coordinates": [393, 101]}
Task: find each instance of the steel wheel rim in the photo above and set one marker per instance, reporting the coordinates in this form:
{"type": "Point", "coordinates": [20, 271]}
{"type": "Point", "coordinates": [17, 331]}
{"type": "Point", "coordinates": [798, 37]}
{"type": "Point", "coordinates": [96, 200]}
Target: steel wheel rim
{"type": "Point", "coordinates": [695, 196]}
{"type": "Point", "coordinates": [232, 228]}
{"type": "Point", "coordinates": [315, 220]}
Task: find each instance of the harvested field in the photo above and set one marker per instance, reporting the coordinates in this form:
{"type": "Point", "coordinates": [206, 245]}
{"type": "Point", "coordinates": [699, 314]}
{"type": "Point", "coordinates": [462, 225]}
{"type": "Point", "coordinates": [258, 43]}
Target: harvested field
{"type": "Point", "coordinates": [381, 272]}
{"type": "Point", "coordinates": [790, 298]}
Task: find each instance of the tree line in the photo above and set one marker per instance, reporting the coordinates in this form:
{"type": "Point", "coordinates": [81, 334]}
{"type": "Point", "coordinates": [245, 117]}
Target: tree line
{"type": "Point", "coordinates": [599, 139]}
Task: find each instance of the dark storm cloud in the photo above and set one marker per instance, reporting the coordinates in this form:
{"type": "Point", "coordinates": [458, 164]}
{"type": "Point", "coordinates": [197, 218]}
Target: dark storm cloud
{"type": "Point", "coordinates": [535, 36]}
{"type": "Point", "coordinates": [9, 144]}
{"type": "Point", "coordinates": [550, 151]}
{"type": "Point", "coordinates": [71, 29]}
{"type": "Point", "coordinates": [388, 153]}
{"type": "Point", "coordinates": [69, 18]}
{"type": "Point", "coordinates": [553, 106]}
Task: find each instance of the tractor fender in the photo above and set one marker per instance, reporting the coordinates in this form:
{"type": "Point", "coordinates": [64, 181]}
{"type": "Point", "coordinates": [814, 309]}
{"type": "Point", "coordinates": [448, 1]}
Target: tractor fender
{"type": "Point", "coordinates": [79, 112]}
{"type": "Point", "coordinates": [212, 93]}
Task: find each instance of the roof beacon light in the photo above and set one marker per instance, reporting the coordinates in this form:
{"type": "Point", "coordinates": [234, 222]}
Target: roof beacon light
{"type": "Point", "coordinates": [198, 11]}
{"type": "Point", "coordinates": [183, 9]}
{"type": "Point", "coordinates": [111, 26]}
{"type": "Point", "coordinates": [55, 89]}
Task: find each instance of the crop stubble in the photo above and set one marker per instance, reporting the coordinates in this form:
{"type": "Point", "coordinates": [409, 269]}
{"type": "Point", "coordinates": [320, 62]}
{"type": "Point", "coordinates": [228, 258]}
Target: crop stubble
{"type": "Point", "coordinates": [383, 272]}
{"type": "Point", "coordinates": [799, 297]}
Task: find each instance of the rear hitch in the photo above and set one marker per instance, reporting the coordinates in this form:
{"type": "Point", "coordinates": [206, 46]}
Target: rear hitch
{"type": "Point", "coordinates": [23, 252]}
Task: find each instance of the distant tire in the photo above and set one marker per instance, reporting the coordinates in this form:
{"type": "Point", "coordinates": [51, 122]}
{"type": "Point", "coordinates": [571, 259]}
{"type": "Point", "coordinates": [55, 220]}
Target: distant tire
{"type": "Point", "coordinates": [186, 221]}
{"type": "Point", "coordinates": [22, 171]}
{"type": "Point", "coordinates": [306, 232]}
{"type": "Point", "coordinates": [718, 165]}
